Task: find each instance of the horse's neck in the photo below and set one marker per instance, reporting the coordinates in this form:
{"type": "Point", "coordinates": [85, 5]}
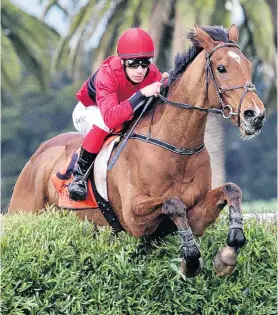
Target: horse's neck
{"type": "Point", "coordinates": [185, 127]}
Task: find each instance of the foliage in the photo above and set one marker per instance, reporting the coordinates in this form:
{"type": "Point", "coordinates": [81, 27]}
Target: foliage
{"type": "Point", "coordinates": [27, 44]}
{"type": "Point", "coordinates": [101, 22]}
{"type": "Point", "coordinates": [260, 206]}
{"type": "Point", "coordinates": [56, 264]}
{"type": "Point", "coordinates": [30, 121]}
{"type": "Point", "coordinates": [262, 34]}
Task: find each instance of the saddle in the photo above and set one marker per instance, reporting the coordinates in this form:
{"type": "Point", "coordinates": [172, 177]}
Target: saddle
{"type": "Point", "coordinates": [96, 183]}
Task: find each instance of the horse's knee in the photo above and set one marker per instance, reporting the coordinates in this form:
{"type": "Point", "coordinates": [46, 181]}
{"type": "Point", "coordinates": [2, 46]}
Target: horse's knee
{"type": "Point", "coordinates": [232, 189]}
{"type": "Point", "coordinates": [233, 194]}
{"type": "Point", "coordinates": [138, 233]}
{"type": "Point", "coordinates": [174, 207]}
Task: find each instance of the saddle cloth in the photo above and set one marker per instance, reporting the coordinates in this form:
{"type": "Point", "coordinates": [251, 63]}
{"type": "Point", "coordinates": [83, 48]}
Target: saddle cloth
{"type": "Point", "coordinates": [64, 177]}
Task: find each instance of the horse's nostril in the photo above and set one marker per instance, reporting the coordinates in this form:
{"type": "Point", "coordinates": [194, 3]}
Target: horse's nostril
{"type": "Point", "coordinates": [258, 122]}
{"type": "Point", "coordinates": [248, 114]}
{"type": "Point", "coordinates": [262, 117]}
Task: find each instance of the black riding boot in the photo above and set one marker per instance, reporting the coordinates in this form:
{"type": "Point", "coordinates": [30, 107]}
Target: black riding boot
{"type": "Point", "coordinates": [78, 188]}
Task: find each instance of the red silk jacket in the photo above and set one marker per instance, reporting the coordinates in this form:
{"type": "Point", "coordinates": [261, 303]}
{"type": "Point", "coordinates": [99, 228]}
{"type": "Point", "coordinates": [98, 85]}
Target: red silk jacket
{"type": "Point", "coordinates": [113, 93]}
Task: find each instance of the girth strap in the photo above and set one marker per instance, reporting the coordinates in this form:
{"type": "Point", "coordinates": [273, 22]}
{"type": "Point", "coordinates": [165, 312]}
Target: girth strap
{"type": "Point", "coordinates": [166, 145]}
{"type": "Point", "coordinates": [106, 209]}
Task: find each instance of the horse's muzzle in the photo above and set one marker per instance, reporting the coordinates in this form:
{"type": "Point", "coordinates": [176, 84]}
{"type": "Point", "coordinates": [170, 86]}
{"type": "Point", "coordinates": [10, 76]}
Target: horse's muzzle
{"type": "Point", "coordinates": [251, 123]}
{"type": "Point", "coordinates": [253, 120]}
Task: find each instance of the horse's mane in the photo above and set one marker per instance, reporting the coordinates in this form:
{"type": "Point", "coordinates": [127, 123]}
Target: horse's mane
{"type": "Point", "coordinates": [183, 60]}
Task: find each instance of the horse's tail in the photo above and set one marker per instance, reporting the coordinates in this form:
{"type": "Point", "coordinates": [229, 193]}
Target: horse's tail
{"type": "Point", "coordinates": [5, 209]}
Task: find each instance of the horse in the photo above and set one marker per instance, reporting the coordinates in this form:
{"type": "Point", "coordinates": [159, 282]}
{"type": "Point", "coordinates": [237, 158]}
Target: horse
{"type": "Point", "coordinates": [166, 187]}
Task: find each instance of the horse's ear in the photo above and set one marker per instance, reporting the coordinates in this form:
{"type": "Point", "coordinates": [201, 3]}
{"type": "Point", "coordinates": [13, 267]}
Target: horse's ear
{"type": "Point", "coordinates": [203, 38]}
{"type": "Point", "coordinates": [233, 33]}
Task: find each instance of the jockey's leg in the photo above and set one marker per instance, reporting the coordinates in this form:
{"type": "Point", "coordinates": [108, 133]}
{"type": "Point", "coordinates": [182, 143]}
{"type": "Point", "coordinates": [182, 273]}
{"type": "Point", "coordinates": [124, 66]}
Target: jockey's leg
{"type": "Point", "coordinates": [91, 146]}
{"type": "Point", "coordinates": [89, 122]}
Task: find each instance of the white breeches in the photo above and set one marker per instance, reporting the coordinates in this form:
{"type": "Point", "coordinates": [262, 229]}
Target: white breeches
{"type": "Point", "coordinates": [85, 117]}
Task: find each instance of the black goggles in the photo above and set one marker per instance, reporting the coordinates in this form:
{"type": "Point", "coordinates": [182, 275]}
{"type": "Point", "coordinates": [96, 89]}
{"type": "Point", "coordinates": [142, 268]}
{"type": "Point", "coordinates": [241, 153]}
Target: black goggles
{"type": "Point", "coordinates": [136, 63]}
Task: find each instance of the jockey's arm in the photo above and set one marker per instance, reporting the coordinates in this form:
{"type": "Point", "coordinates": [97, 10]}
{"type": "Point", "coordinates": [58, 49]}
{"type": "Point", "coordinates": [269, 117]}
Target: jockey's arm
{"type": "Point", "coordinates": [115, 113]}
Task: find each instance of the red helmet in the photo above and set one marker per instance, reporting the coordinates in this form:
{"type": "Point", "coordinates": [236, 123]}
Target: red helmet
{"type": "Point", "coordinates": [135, 43]}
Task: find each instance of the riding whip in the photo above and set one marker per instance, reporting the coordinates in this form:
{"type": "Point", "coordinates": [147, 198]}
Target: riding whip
{"type": "Point", "coordinates": [123, 144]}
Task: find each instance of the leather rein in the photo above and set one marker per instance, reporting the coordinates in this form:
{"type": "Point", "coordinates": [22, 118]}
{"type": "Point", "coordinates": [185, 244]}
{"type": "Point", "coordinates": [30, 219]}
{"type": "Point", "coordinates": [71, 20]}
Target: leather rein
{"type": "Point", "coordinates": [226, 110]}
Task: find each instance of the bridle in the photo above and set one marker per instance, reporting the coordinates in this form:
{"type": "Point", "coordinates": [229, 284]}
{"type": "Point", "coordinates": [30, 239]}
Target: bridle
{"type": "Point", "coordinates": [226, 110]}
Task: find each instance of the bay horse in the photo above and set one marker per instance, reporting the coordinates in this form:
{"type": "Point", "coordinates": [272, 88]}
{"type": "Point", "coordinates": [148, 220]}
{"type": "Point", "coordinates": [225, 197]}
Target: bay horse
{"type": "Point", "coordinates": [167, 187]}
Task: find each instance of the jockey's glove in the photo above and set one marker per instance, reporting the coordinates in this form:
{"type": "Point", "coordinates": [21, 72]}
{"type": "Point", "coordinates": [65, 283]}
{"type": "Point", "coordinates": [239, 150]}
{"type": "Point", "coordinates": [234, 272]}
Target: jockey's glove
{"type": "Point", "coordinates": [137, 100]}
{"type": "Point", "coordinates": [164, 89]}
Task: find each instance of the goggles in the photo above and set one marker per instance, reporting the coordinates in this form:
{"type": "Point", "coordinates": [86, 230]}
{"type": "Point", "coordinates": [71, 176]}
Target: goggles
{"type": "Point", "coordinates": [136, 63]}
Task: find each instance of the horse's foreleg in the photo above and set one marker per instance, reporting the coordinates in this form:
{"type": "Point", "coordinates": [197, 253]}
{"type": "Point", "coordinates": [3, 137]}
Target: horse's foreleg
{"type": "Point", "coordinates": [176, 210]}
{"type": "Point", "coordinates": [225, 260]}
{"type": "Point", "coordinates": [206, 212]}
{"type": "Point", "coordinates": [142, 214]}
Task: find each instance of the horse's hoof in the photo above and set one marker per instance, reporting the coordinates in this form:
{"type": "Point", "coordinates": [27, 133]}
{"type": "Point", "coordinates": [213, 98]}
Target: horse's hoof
{"type": "Point", "coordinates": [191, 253]}
{"type": "Point", "coordinates": [192, 268]}
{"type": "Point", "coordinates": [225, 261]}
{"type": "Point", "coordinates": [236, 238]}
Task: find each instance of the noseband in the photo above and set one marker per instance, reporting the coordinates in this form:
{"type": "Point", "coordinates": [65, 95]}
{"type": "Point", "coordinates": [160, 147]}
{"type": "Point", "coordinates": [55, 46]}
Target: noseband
{"type": "Point", "coordinates": [226, 110]}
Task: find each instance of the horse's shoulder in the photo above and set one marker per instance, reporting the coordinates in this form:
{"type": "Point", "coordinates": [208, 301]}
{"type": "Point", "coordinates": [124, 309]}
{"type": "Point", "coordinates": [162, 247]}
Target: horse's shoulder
{"type": "Point", "coordinates": [68, 140]}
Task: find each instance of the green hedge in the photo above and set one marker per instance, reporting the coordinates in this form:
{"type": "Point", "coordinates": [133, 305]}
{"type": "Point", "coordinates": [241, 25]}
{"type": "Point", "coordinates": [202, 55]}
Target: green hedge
{"type": "Point", "coordinates": [55, 264]}
{"type": "Point", "coordinates": [260, 206]}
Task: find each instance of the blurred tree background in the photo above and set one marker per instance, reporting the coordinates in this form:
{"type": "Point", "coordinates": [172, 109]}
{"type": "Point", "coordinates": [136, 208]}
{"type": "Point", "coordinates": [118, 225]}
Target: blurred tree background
{"type": "Point", "coordinates": [41, 71]}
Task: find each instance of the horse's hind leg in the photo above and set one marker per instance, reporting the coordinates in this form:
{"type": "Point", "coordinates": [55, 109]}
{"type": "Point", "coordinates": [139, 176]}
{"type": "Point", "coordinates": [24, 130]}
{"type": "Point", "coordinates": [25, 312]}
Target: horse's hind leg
{"type": "Point", "coordinates": [176, 210]}
{"type": "Point", "coordinates": [27, 193]}
{"type": "Point", "coordinates": [206, 212]}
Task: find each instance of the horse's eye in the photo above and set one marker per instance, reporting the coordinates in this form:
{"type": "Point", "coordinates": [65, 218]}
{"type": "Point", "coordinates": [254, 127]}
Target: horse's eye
{"type": "Point", "coordinates": [221, 69]}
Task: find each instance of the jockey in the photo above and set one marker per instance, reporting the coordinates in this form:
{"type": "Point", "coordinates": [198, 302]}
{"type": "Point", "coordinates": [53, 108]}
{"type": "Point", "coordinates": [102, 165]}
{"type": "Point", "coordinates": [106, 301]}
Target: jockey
{"type": "Point", "coordinates": [111, 96]}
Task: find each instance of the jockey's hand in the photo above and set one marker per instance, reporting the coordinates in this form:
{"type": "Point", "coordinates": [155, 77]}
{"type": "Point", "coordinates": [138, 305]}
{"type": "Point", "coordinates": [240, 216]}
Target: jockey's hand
{"type": "Point", "coordinates": [152, 89]}
{"type": "Point", "coordinates": [165, 75]}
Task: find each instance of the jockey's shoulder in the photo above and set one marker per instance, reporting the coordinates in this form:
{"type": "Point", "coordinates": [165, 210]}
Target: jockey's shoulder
{"type": "Point", "coordinates": [110, 72]}
{"type": "Point", "coordinates": [113, 62]}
